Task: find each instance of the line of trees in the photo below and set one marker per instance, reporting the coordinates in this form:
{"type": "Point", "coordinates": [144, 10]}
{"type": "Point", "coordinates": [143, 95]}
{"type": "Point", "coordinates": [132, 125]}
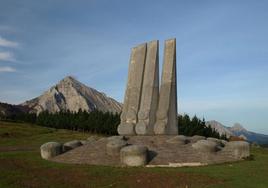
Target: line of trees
{"type": "Point", "coordinates": [94, 122]}
{"type": "Point", "coordinates": [105, 122]}
{"type": "Point", "coordinates": [195, 126]}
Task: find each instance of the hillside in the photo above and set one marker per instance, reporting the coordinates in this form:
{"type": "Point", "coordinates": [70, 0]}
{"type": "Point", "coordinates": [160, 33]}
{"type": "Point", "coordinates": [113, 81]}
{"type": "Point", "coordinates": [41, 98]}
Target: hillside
{"type": "Point", "coordinates": [11, 110]}
{"type": "Point", "coordinates": [220, 128]}
{"type": "Point", "coordinates": [70, 94]}
{"type": "Point", "coordinates": [238, 130]}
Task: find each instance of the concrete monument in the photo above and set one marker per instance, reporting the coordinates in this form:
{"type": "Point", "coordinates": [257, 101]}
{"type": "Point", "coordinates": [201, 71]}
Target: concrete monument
{"type": "Point", "coordinates": [133, 92]}
{"type": "Point", "coordinates": [150, 92]}
{"type": "Point", "coordinates": [166, 117]}
{"type": "Point", "coordinates": [145, 110]}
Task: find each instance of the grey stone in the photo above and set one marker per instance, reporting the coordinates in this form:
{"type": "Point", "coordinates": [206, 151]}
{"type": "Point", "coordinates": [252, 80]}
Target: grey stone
{"type": "Point", "coordinates": [133, 92]}
{"type": "Point", "coordinates": [83, 142]}
{"type": "Point", "coordinates": [150, 91]}
{"type": "Point", "coordinates": [196, 138]}
{"type": "Point", "coordinates": [104, 139]}
{"type": "Point", "coordinates": [237, 149]}
{"type": "Point", "coordinates": [50, 149]}
{"type": "Point", "coordinates": [92, 138]}
{"type": "Point", "coordinates": [180, 139]}
{"type": "Point", "coordinates": [224, 142]}
{"type": "Point", "coordinates": [166, 117]}
{"type": "Point", "coordinates": [205, 146]}
{"type": "Point", "coordinates": [71, 145]}
{"type": "Point", "coordinates": [134, 155]}
{"type": "Point", "coordinates": [113, 147]}
{"type": "Point", "coordinates": [218, 141]}
{"type": "Point", "coordinates": [115, 138]}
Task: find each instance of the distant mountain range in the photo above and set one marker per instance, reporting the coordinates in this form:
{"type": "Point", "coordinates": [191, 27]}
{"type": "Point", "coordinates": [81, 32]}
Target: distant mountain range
{"type": "Point", "coordinates": [238, 130]}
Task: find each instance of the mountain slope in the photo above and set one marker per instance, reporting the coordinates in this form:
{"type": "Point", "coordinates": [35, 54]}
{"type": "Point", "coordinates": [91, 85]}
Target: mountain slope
{"type": "Point", "coordinates": [220, 128]}
{"type": "Point", "coordinates": [238, 130]}
{"type": "Point", "coordinates": [10, 110]}
{"type": "Point", "coordinates": [70, 94]}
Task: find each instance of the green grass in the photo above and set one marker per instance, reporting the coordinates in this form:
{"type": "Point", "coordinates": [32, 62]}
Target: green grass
{"type": "Point", "coordinates": [22, 166]}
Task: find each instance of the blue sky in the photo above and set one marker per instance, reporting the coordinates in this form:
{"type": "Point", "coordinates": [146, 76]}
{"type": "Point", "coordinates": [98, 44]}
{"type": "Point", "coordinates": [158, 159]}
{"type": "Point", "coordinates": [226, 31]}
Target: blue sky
{"type": "Point", "coordinates": [222, 50]}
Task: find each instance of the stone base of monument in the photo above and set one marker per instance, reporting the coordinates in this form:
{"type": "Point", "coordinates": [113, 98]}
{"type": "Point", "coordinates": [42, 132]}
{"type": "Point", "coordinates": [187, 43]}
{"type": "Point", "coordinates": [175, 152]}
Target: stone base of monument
{"type": "Point", "coordinates": [166, 151]}
{"type": "Point", "coordinates": [71, 145]}
{"type": "Point", "coordinates": [114, 146]}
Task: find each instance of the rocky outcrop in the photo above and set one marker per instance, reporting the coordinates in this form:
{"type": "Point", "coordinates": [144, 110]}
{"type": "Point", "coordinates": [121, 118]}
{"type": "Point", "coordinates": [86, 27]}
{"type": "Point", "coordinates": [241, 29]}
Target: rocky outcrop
{"type": "Point", "coordinates": [70, 94]}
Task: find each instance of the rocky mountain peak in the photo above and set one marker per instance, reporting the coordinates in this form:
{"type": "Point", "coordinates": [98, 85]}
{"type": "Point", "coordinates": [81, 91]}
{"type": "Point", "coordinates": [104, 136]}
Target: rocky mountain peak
{"type": "Point", "coordinates": [70, 94]}
{"type": "Point", "coordinates": [68, 80]}
{"type": "Point", "coordinates": [237, 127]}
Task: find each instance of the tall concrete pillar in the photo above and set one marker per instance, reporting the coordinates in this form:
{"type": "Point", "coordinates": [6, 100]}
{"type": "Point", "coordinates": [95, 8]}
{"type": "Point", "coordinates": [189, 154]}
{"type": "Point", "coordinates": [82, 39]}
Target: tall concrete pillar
{"type": "Point", "coordinates": [166, 117]}
{"type": "Point", "coordinates": [150, 91]}
{"type": "Point", "coordinates": [133, 92]}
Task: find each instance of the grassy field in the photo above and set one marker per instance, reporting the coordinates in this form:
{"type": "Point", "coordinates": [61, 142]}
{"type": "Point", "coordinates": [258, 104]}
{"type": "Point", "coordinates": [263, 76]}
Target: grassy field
{"type": "Point", "coordinates": [22, 166]}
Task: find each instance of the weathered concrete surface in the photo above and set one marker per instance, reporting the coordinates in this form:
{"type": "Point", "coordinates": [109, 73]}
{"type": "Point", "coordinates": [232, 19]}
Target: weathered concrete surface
{"type": "Point", "coordinates": [218, 141]}
{"type": "Point", "coordinates": [111, 138]}
{"type": "Point", "coordinates": [71, 145]}
{"type": "Point", "coordinates": [205, 146]}
{"type": "Point", "coordinates": [180, 139]}
{"type": "Point", "coordinates": [113, 146]}
{"type": "Point", "coordinates": [166, 118]}
{"type": "Point", "coordinates": [50, 149]}
{"type": "Point", "coordinates": [237, 149]}
{"type": "Point", "coordinates": [133, 91]}
{"type": "Point", "coordinates": [83, 142]}
{"type": "Point", "coordinates": [134, 155]}
{"type": "Point", "coordinates": [150, 91]}
{"type": "Point", "coordinates": [196, 138]}
{"type": "Point", "coordinates": [92, 138]}
{"type": "Point", "coordinates": [160, 152]}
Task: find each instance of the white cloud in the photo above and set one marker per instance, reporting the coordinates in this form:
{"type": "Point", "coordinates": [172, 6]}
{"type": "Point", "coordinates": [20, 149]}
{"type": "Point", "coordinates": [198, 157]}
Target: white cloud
{"type": "Point", "coordinates": [7, 56]}
{"type": "Point", "coordinates": [7, 43]}
{"type": "Point", "coordinates": [7, 69]}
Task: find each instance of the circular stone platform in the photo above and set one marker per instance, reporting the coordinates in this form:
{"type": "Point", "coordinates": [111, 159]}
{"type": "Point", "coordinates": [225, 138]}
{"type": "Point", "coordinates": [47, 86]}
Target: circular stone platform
{"type": "Point", "coordinates": [161, 153]}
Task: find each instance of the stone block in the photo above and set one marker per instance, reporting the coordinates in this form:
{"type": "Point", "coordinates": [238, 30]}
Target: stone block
{"type": "Point", "coordinates": [50, 149]}
{"type": "Point", "coordinates": [71, 145]}
{"type": "Point", "coordinates": [134, 155]}
{"type": "Point", "coordinates": [205, 146]}
{"type": "Point", "coordinates": [111, 138]}
{"type": "Point", "coordinates": [196, 138]}
{"type": "Point", "coordinates": [180, 139]}
{"type": "Point", "coordinates": [237, 149]}
{"type": "Point", "coordinates": [113, 146]}
{"type": "Point", "coordinates": [218, 141]}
